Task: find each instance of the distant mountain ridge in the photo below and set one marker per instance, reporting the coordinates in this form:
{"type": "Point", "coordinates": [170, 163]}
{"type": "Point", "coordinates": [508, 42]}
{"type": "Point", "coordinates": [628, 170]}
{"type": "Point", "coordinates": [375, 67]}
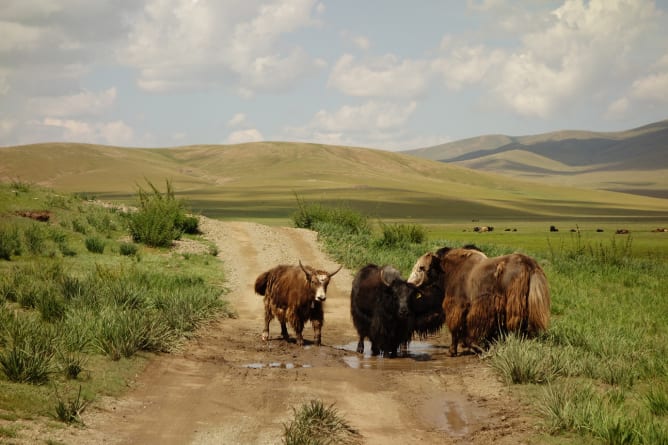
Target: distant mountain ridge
{"type": "Point", "coordinates": [633, 161]}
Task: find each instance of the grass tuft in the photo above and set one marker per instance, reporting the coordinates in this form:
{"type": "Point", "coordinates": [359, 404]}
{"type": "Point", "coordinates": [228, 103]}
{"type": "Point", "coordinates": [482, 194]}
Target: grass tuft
{"type": "Point", "coordinates": [317, 424]}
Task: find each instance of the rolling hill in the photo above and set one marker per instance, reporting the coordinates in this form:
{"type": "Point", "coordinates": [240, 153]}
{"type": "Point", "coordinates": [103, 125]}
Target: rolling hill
{"type": "Point", "coordinates": [261, 181]}
{"type": "Point", "coordinates": [632, 161]}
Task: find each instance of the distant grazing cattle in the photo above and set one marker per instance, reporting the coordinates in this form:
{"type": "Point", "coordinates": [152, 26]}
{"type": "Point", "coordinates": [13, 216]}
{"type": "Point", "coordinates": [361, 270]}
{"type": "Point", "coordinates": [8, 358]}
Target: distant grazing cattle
{"type": "Point", "coordinates": [483, 229]}
{"type": "Point", "coordinates": [599, 230]}
{"type": "Point", "coordinates": [660, 229]}
{"type": "Point", "coordinates": [381, 309]}
{"type": "Point", "coordinates": [553, 229]}
{"type": "Point", "coordinates": [487, 297]}
{"type": "Point", "coordinates": [622, 231]}
{"type": "Point", "coordinates": [294, 294]}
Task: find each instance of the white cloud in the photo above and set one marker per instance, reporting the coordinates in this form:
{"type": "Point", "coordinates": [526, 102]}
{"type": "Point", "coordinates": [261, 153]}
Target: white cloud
{"type": "Point", "coordinates": [80, 104]}
{"type": "Point", "coordinates": [6, 127]}
{"type": "Point", "coordinates": [185, 45]}
{"type": "Point", "coordinates": [237, 120]}
{"type": "Point", "coordinates": [466, 65]}
{"type": "Point", "coordinates": [371, 124]}
{"type": "Point", "coordinates": [575, 58]}
{"type": "Point", "coordinates": [241, 136]}
{"type": "Point", "coordinates": [386, 76]}
{"type": "Point", "coordinates": [651, 88]}
{"type": "Point", "coordinates": [112, 133]}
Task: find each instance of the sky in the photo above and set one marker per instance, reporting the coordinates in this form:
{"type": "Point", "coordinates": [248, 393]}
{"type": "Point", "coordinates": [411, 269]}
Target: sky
{"type": "Point", "coordinates": [386, 74]}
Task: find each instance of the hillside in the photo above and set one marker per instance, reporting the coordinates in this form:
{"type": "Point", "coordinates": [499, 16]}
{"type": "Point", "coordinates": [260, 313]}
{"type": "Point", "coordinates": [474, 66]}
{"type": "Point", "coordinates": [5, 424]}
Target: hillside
{"type": "Point", "coordinates": [633, 161]}
{"type": "Point", "coordinates": [261, 180]}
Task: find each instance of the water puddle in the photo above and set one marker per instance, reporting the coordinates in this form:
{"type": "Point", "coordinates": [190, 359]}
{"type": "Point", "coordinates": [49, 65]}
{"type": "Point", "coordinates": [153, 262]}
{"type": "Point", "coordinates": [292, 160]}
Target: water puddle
{"type": "Point", "coordinates": [275, 365]}
{"type": "Point", "coordinates": [418, 352]}
{"type": "Point", "coordinates": [452, 413]}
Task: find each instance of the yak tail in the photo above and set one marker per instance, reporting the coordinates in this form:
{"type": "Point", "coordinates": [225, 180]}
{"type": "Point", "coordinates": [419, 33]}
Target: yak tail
{"type": "Point", "coordinates": [538, 302]}
{"type": "Point", "coordinates": [261, 283]}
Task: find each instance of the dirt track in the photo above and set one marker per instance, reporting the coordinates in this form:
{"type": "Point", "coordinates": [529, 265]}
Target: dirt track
{"type": "Point", "coordinates": [229, 387]}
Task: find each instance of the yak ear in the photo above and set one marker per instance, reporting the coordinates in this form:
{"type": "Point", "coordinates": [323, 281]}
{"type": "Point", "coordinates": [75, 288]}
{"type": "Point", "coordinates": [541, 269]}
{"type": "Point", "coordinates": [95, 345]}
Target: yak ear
{"type": "Point", "coordinates": [388, 275]}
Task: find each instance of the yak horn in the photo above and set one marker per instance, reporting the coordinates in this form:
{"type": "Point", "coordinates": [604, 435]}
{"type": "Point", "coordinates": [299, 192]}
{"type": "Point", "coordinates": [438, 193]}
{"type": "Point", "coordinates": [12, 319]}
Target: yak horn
{"type": "Point", "coordinates": [334, 273]}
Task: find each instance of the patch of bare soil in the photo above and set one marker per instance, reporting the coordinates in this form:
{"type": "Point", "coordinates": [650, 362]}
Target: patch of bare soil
{"type": "Point", "coordinates": [229, 387]}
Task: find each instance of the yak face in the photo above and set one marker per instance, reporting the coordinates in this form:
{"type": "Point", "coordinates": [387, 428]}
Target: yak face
{"type": "Point", "coordinates": [404, 292]}
{"type": "Point", "coordinates": [318, 280]}
{"type": "Point", "coordinates": [423, 269]}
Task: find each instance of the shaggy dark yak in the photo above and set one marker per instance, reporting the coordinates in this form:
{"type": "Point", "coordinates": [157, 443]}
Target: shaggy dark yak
{"type": "Point", "coordinates": [486, 297]}
{"type": "Point", "coordinates": [380, 306]}
{"type": "Point", "coordinates": [294, 294]}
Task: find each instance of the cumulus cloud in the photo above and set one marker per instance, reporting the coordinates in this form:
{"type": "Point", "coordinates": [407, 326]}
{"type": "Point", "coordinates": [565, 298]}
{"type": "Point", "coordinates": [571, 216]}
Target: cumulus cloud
{"type": "Point", "coordinates": [237, 119]}
{"type": "Point", "coordinates": [184, 45]}
{"type": "Point", "coordinates": [80, 104]}
{"type": "Point", "coordinates": [574, 58]}
{"type": "Point", "coordinates": [386, 76]}
{"type": "Point", "coordinates": [371, 124]}
{"type": "Point", "coordinates": [112, 133]}
{"type": "Point", "coordinates": [241, 136]}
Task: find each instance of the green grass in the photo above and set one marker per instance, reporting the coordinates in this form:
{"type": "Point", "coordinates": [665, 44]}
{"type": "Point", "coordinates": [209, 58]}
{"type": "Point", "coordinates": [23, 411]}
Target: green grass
{"type": "Point", "coordinates": [602, 363]}
{"type": "Point", "coordinates": [78, 321]}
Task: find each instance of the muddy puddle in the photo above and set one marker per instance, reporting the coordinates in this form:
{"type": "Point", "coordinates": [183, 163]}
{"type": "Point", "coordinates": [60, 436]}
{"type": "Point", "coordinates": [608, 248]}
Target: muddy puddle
{"type": "Point", "coordinates": [420, 354]}
{"type": "Point", "coordinates": [452, 413]}
{"type": "Point", "coordinates": [276, 365]}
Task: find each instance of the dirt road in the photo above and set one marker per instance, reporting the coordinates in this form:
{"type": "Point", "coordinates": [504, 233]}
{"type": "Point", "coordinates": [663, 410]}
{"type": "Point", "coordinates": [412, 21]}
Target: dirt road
{"type": "Point", "coordinates": [230, 387]}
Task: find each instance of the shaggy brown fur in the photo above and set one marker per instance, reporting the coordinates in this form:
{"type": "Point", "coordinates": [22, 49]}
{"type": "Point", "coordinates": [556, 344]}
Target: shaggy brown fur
{"type": "Point", "coordinates": [486, 297]}
{"type": "Point", "coordinates": [294, 294]}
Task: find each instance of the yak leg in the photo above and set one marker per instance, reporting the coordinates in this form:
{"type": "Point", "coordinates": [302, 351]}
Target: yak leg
{"type": "Point", "coordinates": [317, 331]}
{"type": "Point", "coordinates": [299, 328]}
{"type": "Point", "coordinates": [268, 316]}
{"type": "Point", "coordinates": [360, 345]}
{"type": "Point", "coordinates": [284, 331]}
{"type": "Point", "coordinates": [375, 350]}
{"type": "Point", "coordinates": [454, 343]}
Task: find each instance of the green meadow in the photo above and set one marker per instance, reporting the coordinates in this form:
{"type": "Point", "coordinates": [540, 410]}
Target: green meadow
{"type": "Point", "coordinates": [599, 375]}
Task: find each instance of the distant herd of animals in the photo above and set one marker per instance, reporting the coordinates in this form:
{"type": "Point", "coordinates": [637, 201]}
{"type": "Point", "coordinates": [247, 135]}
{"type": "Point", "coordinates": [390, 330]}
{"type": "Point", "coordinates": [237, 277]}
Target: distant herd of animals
{"type": "Point", "coordinates": [479, 299]}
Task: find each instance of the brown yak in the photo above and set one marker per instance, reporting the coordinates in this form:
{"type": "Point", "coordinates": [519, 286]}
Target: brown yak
{"type": "Point", "coordinates": [487, 297]}
{"type": "Point", "coordinates": [294, 294]}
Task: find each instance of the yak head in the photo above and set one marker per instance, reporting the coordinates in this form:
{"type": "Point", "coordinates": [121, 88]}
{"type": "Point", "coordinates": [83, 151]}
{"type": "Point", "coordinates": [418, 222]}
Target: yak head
{"type": "Point", "coordinates": [318, 280]}
{"type": "Point", "coordinates": [425, 270]}
{"type": "Point", "coordinates": [404, 292]}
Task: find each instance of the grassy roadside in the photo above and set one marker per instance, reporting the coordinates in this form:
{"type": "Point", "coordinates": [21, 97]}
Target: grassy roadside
{"type": "Point", "coordinates": [83, 306]}
{"type": "Point", "coordinates": [600, 373]}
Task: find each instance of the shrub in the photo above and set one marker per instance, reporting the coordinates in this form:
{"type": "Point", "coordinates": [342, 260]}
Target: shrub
{"type": "Point", "coordinates": [10, 241]}
{"type": "Point", "coordinates": [27, 358]}
{"type": "Point", "coordinates": [159, 219]}
{"type": "Point", "coordinates": [398, 235]}
{"type": "Point", "coordinates": [315, 424]}
{"type": "Point", "coordinates": [127, 249]}
{"type": "Point", "coordinates": [189, 225]}
{"type": "Point", "coordinates": [95, 245]}
{"type": "Point", "coordinates": [315, 216]}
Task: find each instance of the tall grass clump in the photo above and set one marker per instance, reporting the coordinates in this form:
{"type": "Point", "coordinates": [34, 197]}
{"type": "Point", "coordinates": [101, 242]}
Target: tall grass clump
{"type": "Point", "coordinates": [316, 424]}
{"type": "Point", "coordinates": [400, 235]}
{"type": "Point", "coordinates": [160, 218]}
{"type": "Point", "coordinates": [352, 240]}
{"type": "Point", "coordinates": [10, 241]}
{"type": "Point", "coordinates": [27, 356]}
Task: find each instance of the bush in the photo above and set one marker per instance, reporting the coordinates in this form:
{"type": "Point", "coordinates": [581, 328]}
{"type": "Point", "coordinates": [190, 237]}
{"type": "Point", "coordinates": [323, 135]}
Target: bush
{"type": "Point", "coordinates": [160, 217]}
{"type": "Point", "coordinates": [398, 235]}
{"type": "Point", "coordinates": [27, 358]}
{"type": "Point", "coordinates": [95, 245]}
{"type": "Point", "coordinates": [127, 249]}
{"type": "Point", "coordinates": [10, 241]}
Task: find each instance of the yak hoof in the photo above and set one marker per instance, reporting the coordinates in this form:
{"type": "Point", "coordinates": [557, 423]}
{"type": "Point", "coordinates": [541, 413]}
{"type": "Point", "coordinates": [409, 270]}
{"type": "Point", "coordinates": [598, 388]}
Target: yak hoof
{"type": "Point", "coordinates": [265, 336]}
